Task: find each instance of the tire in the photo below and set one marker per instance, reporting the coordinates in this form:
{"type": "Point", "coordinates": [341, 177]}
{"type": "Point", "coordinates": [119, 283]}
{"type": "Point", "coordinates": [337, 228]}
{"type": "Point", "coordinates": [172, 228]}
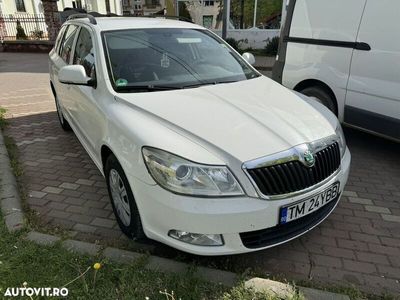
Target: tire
{"type": "Point", "coordinates": [122, 200]}
{"type": "Point", "coordinates": [322, 95]}
{"type": "Point", "coordinates": [63, 122]}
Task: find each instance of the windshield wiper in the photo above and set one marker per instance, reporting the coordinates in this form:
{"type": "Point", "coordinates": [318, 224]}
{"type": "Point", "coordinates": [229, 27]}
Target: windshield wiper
{"type": "Point", "coordinates": [147, 88]}
{"type": "Point", "coordinates": [207, 83]}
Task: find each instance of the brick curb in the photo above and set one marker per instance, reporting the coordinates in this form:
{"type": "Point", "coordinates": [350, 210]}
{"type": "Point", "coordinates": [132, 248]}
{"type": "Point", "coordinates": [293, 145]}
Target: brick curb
{"type": "Point", "coordinates": [14, 219]}
{"type": "Point", "coordinates": [9, 196]}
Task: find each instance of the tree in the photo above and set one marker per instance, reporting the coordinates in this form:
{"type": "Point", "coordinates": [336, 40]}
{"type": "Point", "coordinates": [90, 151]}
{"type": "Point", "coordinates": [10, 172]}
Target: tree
{"type": "Point", "coordinates": [21, 35]}
{"type": "Point", "coordinates": [265, 8]}
{"type": "Point", "coordinates": [183, 11]}
{"type": "Point", "coordinates": [52, 18]}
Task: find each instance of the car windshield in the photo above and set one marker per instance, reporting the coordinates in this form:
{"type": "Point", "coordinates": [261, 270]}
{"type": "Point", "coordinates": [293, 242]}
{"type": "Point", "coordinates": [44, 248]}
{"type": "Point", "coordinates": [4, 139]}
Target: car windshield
{"type": "Point", "coordinates": [169, 58]}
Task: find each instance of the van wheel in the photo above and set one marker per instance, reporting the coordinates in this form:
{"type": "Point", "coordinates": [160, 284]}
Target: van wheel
{"type": "Point", "coordinates": [122, 200]}
{"type": "Point", "coordinates": [322, 96]}
{"type": "Point", "coordinates": [64, 123]}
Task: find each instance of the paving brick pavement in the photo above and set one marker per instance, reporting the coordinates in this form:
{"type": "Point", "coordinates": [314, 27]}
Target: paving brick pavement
{"type": "Point", "coordinates": [358, 244]}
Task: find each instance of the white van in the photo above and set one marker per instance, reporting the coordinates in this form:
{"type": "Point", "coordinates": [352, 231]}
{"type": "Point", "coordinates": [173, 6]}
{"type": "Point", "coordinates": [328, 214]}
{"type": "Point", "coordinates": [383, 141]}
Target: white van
{"type": "Point", "coordinates": [346, 54]}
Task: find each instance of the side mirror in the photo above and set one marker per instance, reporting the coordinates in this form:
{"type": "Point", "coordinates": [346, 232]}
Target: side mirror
{"type": "Point", "coordinates": [76, 75]}
{"type": "Point", "coordinates": [249, 57]}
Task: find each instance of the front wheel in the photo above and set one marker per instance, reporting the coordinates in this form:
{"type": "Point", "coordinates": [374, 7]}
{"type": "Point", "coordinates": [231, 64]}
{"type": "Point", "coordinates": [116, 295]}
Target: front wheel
{"type": "Point", "coordinates": [122, 200]}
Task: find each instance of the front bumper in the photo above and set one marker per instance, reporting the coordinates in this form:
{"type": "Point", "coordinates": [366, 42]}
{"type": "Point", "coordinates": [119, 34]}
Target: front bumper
{"type": "Point", "coordinates": [161, 211]}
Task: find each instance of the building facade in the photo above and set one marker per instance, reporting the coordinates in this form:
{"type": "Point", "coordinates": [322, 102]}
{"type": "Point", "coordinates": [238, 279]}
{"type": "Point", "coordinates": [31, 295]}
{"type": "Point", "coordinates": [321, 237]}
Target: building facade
{"type": "Point", "coordinates": [13, 7]}
{"type": "Point", "coordinates": [143, 7]}
{"type": "Point", "coordinates": [207, 13]}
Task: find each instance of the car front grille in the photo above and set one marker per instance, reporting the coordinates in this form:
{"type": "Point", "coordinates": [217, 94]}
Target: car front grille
{"type": "Point", "coordinates": [294, 176]}
{"type": "Point", "coordinates": [283, 232]}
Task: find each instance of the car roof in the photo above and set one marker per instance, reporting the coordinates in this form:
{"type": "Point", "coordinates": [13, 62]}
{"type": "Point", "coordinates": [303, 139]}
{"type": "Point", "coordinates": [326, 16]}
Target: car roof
{"type": "Point", "coordinates": [120, 23]}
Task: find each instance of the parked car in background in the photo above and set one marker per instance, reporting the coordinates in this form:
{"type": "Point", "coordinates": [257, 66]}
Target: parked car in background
{"type": "Point", "coordinates": [198, 149]}
{"type": "Point", "coordinates": [345, 54]}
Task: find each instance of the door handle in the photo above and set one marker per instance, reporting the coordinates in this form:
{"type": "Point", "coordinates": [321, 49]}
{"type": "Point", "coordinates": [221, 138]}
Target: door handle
{"type": "Point", "coordinates": [362, 46]}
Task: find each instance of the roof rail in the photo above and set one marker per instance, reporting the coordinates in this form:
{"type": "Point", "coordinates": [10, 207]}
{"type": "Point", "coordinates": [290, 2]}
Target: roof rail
{"type": "Point", "coordinates": [81, 16]}
{"type": "Point", "coordinates": [179, 18]}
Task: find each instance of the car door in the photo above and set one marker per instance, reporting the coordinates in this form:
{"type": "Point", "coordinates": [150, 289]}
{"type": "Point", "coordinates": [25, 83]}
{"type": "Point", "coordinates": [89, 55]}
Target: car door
{"type": "Point", "coordinates": [63, 59]}
{"type": "Point", "coordinates": [373, 98]}
{"type": "Point", "coordinates": [85, 108]}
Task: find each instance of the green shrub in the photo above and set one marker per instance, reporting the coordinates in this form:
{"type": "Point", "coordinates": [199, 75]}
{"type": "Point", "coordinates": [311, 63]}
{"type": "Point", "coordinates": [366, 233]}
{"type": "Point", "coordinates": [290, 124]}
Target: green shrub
{"type": "Point", "coordinates": [233, 43]}
{"type": "Point", "coordinates": [272, 46]}
{"type": "Point", "coordinates": [21, 35]}
{"type": "Point", "coordinates": [37, 34]}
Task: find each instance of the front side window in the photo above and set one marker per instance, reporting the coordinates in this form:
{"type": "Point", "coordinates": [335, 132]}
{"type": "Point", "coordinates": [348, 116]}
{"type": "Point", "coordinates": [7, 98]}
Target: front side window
{"type": "Point", "coordinates": [20, 5]}
{"type": "Point", "coordinates": [171, 58]}
{"type": "Point", "coordinates": [67, 43]}
{"type": "Point", "coordinates": [84, 52]}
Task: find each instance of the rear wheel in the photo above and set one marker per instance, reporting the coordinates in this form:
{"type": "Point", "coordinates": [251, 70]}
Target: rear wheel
{"type": "Point", "coordinates": [122, 200]}
{"type": "Point", "coordinates": [64, 123]}
{"type": "Point", "coordinates": [322, 95]}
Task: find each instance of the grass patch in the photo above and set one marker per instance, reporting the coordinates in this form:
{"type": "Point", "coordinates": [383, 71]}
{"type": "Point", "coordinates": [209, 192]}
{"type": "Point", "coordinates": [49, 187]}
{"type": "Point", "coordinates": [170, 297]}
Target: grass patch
{"type": "Point", "coordinates": [3, 121]}
{"type": "Point", "coordinates": [39, 266]}
{"type": "Point", "coordinates": [353, 292]}
{"type": "Point", "coordinates": [13, 154]}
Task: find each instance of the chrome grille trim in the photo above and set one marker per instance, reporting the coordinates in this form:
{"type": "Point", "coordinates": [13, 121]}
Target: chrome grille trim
{"type": "Point", "coordinates": [293, 154]}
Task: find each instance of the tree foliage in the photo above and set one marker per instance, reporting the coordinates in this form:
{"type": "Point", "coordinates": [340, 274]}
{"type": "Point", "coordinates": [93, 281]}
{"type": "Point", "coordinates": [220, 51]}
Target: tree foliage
{"type": "Point", "coordinates": [265, 8]}
{"type": "Point", "coordinates": [183, 11]}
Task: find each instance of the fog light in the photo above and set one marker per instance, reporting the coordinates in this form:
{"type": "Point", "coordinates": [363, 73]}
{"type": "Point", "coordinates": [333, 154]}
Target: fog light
{"type": "Point", "coordinates": [197, 238]}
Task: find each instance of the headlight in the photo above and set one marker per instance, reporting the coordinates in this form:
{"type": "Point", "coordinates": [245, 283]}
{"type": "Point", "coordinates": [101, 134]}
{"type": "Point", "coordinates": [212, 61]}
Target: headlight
{"type": "Point", "coordinates": [182, 176]}
{"type": "Point", "coordinates": [342, 139]}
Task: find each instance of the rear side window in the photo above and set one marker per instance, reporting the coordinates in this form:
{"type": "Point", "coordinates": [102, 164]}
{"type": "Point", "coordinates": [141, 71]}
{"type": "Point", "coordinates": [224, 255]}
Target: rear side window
{"type": "Point", "coordinates": [67, 43]}
{"type": "Point", "coordinates": [59, 37]}
{"type": "Point", "coordinates": [84, 52]}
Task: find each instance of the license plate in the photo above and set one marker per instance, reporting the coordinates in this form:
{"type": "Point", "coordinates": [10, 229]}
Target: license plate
{"type": "Point", "coordinates": [305, 207]}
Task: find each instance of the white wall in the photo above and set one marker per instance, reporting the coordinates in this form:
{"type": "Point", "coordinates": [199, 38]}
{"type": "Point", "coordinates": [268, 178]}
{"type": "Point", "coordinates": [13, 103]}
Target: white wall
{"type": "Point", "coordinates": [251, 38]}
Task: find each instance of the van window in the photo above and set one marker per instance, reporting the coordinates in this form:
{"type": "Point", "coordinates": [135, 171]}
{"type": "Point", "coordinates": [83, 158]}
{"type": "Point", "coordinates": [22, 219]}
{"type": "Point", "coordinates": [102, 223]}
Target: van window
{"type": "Point", "coordinates": [67, 43]}
{"type": "Point", "coordinates": [84, 52]}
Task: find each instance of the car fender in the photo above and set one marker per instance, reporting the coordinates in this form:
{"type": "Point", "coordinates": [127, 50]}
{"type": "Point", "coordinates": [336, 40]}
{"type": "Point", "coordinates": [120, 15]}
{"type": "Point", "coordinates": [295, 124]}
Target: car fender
{"type": "Point", "coordinates": [130, 128]}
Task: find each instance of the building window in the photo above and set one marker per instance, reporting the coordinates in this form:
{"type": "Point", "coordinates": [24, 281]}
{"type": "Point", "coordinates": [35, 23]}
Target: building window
{"type": "Point", "coordinates": [108, 9]}
{"type": "Point", "coordinates": [207, 21]}
{"type": "Point", "coordinates": [152, 3]}
{"type": "Point", "coordinates": [208, 3]}
{"type": "Point", "coordinates": [77, 4]}
{"type": "Point", "coordinates": [20, 5]}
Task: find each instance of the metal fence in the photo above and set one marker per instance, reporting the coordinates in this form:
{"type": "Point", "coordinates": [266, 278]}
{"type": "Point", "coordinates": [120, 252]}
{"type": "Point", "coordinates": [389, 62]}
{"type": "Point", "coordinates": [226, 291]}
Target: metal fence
{"type": "Point", "coordinates": [23, 27]}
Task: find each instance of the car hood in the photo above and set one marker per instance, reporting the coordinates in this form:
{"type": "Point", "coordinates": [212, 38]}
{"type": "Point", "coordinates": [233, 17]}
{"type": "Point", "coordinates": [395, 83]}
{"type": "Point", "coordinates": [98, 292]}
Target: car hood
{"type": "Point", "coordinates": [246, 120]}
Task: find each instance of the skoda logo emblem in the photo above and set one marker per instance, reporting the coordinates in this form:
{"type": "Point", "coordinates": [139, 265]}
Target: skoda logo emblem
{"type": "Point", "coordinates": [308, 158]}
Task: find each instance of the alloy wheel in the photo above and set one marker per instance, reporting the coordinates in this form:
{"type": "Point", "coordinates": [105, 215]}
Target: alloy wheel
{"type": "Point", "coordinates": [120, 197]}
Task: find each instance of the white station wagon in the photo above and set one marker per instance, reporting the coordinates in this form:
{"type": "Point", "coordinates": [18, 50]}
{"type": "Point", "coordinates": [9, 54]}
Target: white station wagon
{"type": "Point", "coordinates": [199, 150]}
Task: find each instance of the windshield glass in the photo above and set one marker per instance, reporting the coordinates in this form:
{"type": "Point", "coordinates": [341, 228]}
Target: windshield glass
{"type": "Point", "coordinates": [169, 58]}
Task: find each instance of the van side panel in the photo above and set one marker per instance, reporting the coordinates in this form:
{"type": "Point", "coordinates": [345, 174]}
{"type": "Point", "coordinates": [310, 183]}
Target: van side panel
{"type": "Point", "coordinates": [326, 25]}
{"type": "Point", "coordinates": [374, 85]}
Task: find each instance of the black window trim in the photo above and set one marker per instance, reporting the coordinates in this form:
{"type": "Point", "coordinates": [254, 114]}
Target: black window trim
{"type": "Point", "coordinates": [59, 39]}
{"type": "Point", "coordinates": [73, 43]}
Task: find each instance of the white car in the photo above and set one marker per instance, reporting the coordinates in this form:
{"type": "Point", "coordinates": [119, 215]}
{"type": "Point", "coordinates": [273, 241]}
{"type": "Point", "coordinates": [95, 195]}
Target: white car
{"type": "Point", "coordinates": [199, 150]}
{"type": "Point", "coordinates": [339, 53]}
